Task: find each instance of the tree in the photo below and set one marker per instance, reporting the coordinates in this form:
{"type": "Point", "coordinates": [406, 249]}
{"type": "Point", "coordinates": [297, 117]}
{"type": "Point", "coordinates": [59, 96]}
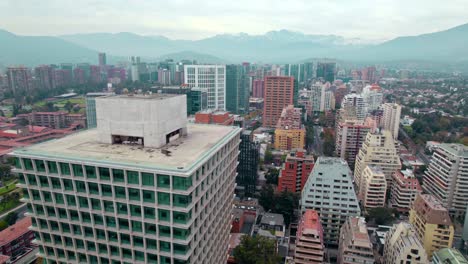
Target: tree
{"type": "Point", "coordinates": [68, 106]}
{"type": "Point", "coordinates": [256, 250]}
{"type": "Point", "coordinates": [285, 203]}
{"type": "Point", "coordinates": [5, 170]}
{"type": "Point", "coordinates": [268, 157]}
{"type": "Point", "coordinates": [381, 215]}
{"type": "Point", "coordinates": [267, 197]}
{"type": "Point", "coordinates": [272, 176]}
{"type": "Point", "coordinates": [3, 225]}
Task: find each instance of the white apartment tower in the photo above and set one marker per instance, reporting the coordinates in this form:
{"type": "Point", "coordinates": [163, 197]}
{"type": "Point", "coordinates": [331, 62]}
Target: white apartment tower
{"type": "Point", "coordinates": [379, 150]}
{"type": "Point", "coordinates": [321, 99]}
{"type": "Point", "coordinates": [373, 97]}
{"type": "Point", "coordinates": [374, 187]}
{"type": "Point", "coordinates": [329, 191]}
{"type": "Point", "coordinates": [353, 107]}
{"type": "Point", "coordinates": [447, 177]}
{"type": "Point", "coordinates": [212, 79]}
{"type": "Point", "coordinates": [402, 245]}
{"type": "Point", "coordinates": [391, 118]}
{"type": "Point", "coordinates": [144, 187]}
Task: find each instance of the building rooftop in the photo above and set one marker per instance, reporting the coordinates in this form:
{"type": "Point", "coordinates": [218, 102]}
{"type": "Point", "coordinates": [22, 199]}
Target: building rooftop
{"type": "Point", "coordinates": [450, 255]}
{"type": "Point", "coordinates": [359, 232]}
{"type": "Point", "coordinates": [13, 232]}
{"type": "Point", "coordinates": [181, 155]}
{"type": "Point", "coordinates": [455, 149]}
{"type": "Point", "coordinates": [272, 219]}
{"type": "Point", "coordinates": [431, 209]}
{"type": "Point", "coordinates": [152, 96]}
{"type": "Point", "coordinates": [375, 169]}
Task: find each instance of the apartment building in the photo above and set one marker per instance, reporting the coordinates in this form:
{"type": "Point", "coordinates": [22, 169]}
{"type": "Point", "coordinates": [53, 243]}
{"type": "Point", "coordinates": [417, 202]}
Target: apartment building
{"type": "Point", "coordinates": [209, 78]}
{"type": "Point", "coordinates": [279, 93]}
{"type": "Point", "coordinates": [391, 118]}
{"type": "Point", "coordinates": [295, 171]}
{"type": "Point", "coordinates": [350, 135]}
{"type": "Point", "coordinates": [402, 245]}
{"type": "Point", "coordinates": [355, 246]}
{"type": "Point", "coordinates": [289, 132]}
{"type": "Point", "coordinates": [374, 187]}
{"type": "Point", "coordinates": [405, 187]}
{"type": "Point", "coordinates": [309, 240]}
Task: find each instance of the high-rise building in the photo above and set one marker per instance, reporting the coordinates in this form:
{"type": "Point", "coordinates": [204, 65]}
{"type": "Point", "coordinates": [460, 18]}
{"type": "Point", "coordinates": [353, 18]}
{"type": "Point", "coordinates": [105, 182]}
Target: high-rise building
{"type": "Point", "coordinates": [349, 138]}
{"type": "Point", "coordinates": [402, 245]}
{"type": "Point", "coordinates": [353, 107]}
{"type": "Point", "coordinates": [248, 163]}
{"type": "Point", "coordinates": [379, 150]}
{"type": "Point", "coordinates": [326, 70]}
{"type": "Point", "coordinates": [279, 93]}
{"type": "Point", "coordinates": [102, 59]}
{"type": "Point", "coordinates": [309, 240]}
{"type": "Point", "coordinates": [446, 175]}
{"type": "Point", "coordinates": [45, 76]}
{"type": "Point", "coordinates": [138, 189]}
{"type": "Point", "coordinates": [19, 79]}
{"type": "Point", "coordinates": [233, 87]}
{"type": "Point", "coordinates": [448, 255]}
{"type": "Point", "coordinates": [432, 222]}
{"type": "Point", "coordinates": [355, 246]}
{"type": "Point", "coordinates": [369, 74]}
{"type": "Point", "coordinates": [95, 74]}
{"type": "Point", "coordinates": [321, 99]}
{"type": "Point", "coordinates": [91, 119]}
{"type": "Point", "coordinates": [258, 90]}
{"type": "Point", "coordinates": [295, 171]}
{"type": "Point", "coordinates": [164, 77]}
{"type": "Point", "coordinates": [296, 71]}
{"type": "Point", "coordinates": [405, 187]}
{"type": "Point", "coordinates": [374, 187]}
{"type": "Point", "coordinates": [79, 76]}
{"type": "Point", "coordinates": [391, 118]}
{"type": "Point", "coordinates": [211, 78]}
{"type": "Point", "coordinates": [289, 132]}
{"type": "Point", "coordinates": [373, 97]}
{"type": "Point", "coordinates": [329, 190]}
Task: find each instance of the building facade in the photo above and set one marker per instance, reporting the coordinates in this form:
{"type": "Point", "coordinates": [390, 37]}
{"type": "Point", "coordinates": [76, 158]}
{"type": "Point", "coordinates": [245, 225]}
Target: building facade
{"type": "Point", "coordinates": [118, 194]}
{"type": "Point", "coordinates": [248, 163]}
{"type": "Point", "coordinates": [91, 121]}
{"type": "Point", "coordinates": [309, 240]}
{"type": "Point", "coordinates": [355, 246]}
{"type": "Point", "coordinates": [402, 245]}
{"type": "Point", "coordinates": [353, 107]}
{"type": "Point", "coordinates": [446, 177]}
{"type": "Point", "coordinates": [432, 223]}
{"type": "Point", "coordinates": [295, 171]}
{"type": "Point", "coordinates": [448, 255]}
{"type": "Point", "coordinates": [289, 132]}
{"type": "Point", "coordinates": [329, 190]}
{"type": "Point", "coordinates": [391, 118]}
{"type": "Point", "coordinates": [349, 138]}
{"type": "Point", "coordinates": [405, 187]}
{"type": "Point", "coordinates": [374, 187]}
{"type": "Point", "coordinates": [211, 78]}
{"type": "Point", "coordinates": [279, 93]}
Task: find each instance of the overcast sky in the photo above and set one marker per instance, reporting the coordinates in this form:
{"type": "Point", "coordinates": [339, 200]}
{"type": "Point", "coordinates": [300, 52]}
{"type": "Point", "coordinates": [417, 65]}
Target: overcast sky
{"type": "Point", "coordinates": [178, 19]}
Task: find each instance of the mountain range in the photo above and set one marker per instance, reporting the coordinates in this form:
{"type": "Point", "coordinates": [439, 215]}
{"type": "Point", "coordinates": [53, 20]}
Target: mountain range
{"type": "Point", "coordinates": [283, 46]}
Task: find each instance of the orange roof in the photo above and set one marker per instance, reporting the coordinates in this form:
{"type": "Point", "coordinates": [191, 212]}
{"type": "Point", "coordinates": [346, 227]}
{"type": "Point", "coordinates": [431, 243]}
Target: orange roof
{"type": "Point", "coordinates": [311, 219]}
{"type": "Point", "coordinates": [4, 259]}
{"type": "Point", "coordinates": [13, 232]}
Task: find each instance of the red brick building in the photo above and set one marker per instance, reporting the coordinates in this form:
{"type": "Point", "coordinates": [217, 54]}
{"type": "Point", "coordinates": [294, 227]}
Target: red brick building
{"type": "Point", "coordinates": [279, 93]}
{"type": "Point", "coordinates": [214, 117]}
{"type": "Point", "coordinates": [17, 238]}
{"type": "Point", "coordinates": [295, 171]}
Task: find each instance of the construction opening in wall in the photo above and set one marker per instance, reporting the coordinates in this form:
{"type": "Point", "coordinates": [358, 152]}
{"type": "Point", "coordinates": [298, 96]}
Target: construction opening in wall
{"type": "Point", "coordinates": [127, 140]}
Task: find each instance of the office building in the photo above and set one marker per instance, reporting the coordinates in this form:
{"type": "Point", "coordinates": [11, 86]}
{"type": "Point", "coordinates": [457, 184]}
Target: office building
{"type": "Point", "coordinates": [295, 171]}
{"type": "Point", "coordinates": [353, 107]}
{"type": "Point", "coordinates": [237, 88]}
{"type": "Point", "coordinates": [349, 138]}
{"type": "Point", "coordinates": [326, 71]}
{"type": "Point", "coordinates": [355, 246]}
{"type": "Point", "coordinates": [289, 132]}
{"type": "Point", "coordinates": [373, 97]}
{"type": "Point", "coordinates": [91, 121]}
{"type": "Point", "coordinates": [279, 93]}
{"type": "Point", "coordinates": [329, 190]}
{"type": "Point", "coordinates": [197, 99]}
{"type": "Point", "coordinates": [446, 175]}
{"type": "Point", "coordinates": [448, 255]}
{"type": "Point", "coordinates": [391, 118]}
{"type": "Point", "coordinates": [379, 150]}
{"type": "Point", "coordinates": [212, 79]}
{"type": "Point", "coordinates": [140, 188]}
{"type": "Point", "coordinates": [374, 187]}
{"type": "Point", "coordinates": [102, 59]}
{"type": "Point", "coordinates": [402, 245]}
{"type": "Point", "coordinates": [405, 187]}
{"type": "Point", "coordinates": [19, 79]}
{"type": "Point", "coordinates": [432, 222]}
{"type": "Point", "coordinates": [248, 164]}
{"type": "Point", "coordinates": [309, 240]}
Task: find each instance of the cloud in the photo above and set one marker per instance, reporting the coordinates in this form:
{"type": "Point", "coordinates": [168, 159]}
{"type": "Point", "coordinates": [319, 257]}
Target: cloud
{"type": "Point", "coordinates": [368, 19]}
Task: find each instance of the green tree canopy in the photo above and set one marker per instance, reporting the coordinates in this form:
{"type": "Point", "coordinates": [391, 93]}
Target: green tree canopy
{"type": "Point", "coordinates": [256, 250]}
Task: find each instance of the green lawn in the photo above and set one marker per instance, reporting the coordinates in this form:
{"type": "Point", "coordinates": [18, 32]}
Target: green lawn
{"type": "Point", "coordinates": [8, 187]}
{"type": "Point", "coordinates": [8, 206]}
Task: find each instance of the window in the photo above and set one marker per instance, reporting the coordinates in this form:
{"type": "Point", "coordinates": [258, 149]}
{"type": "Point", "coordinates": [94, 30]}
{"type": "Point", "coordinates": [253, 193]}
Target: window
{"type": "Point", "coordinates": [70, 200]}
{"type": "Point", "coordinates": [28, 165]}
{"type": "Point", "coordinates": [123, 224]}
{"type": "Point", "coordinates": [17, 162]}
{"type": "Point", "coordinates": [80, 186]}
{"type": "Point", "coordinates": [147, 179]}
{"type": "Point", "coordinates": [106, 190]}
{"type": "Point", "coordinates": [149, 213]}
{"type": "Point", "coordinates": [138, 241]}
{"type": "Point", "coordinates": [150, 229]}
{"type": "Point", "coordinates": [164, 231]}
{"type": "Point", "coordinates": [164, 198]}
{"type": "Point", "coordinates": [90, 172]}
{"type": "Point", "coordinates": [95, 204]}
{"type": "Point", "coordinates": [137, 226]}
{"type": "Point", "coordinates": [32, 179]}
{"type": "Point", "coordinates": [132, 177]}
{"type": "Point", "coordinates": [182, 200]}
{"type": "Point", "coordinates": [121, 208]}
{"type": "Point", "coordinates": [149, 196]}
{"type": "Point", "coordinates": [135, 210]}
{"type": "Point", "coordinates": [104, 174]}
{"type": "Point", "coordinates": [56, 183]}
{"type": "Point", "coordinates": [120, 192]}
{"type": "Point", "coordinates": [110, 222]}
{"type": "Point", "coordinates": [93, 188]}
{"type": "Point", "coordinates": [151, 244]}
{"type": "Point", "coordinates": [181, 233]}
{"type": "Point", "coordinates": [164, 181]}
{"type": "Point", "coordinates": [44, 182]}
{"type": "Point", "coordinates": [65, 168]}
{"type": "Point", "coordinates": [98, 220]}
{"type": "Point", "coordinates": [67, 185]}
{"type": "Point", "coordinates": [134, 194]}
{"type": "Point", "coordinates": [181, 183]}
{"type": "Point", "coordinates": [40, 165]}
{"type": "Point", "coordinates": [108, 206]}
{"type": "Point", "coordinates": [181, 218]}
{"type": "Point", "coordinates": [77, 170]}
{"type": "Point", "coordinates": [163, 215]}
{"type": "Point", "coordinates": [164, 246]}
{"type": "Point", "coordinates": [124, 239]}
{"type": "Point", "coordinates": [118, 175]}
{"type": "Point", "coordinates": [59, 198]}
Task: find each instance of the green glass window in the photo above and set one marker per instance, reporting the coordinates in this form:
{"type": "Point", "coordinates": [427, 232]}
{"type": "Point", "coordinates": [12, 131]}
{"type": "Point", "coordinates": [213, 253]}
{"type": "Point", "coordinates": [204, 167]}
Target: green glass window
{"type": "Point", "coordinates": [91, 247]}
{"type": "Point", "coordinates": [32, 179]}
{"type": "Point", "coordinates": [118, 175]}
{"type": "Point", "coordinates": [139, 256]}
{"type": "Point", "coordinates": [43, 224]}
{"type": "Point", "coordinates": [67, 184]}
{"type": "Point", "coordinates": [136, 226]}
{"type": "Point", "coordinates": [163, 181]}
{"type": "Point", "coordinates": [54, 225]}
{"type": "Point", "coordinates": [65, 228]}
{"type": "Point", "coordinates": [135, 210]}
{"type": "Point", "coordinates": [40, 165]}
{"type": "Point", "coordinates": [181, 233]}
{"type": "Point", "coordinates": [93, 188]}
{"type": "Point", "coordinates": [108, 206]}
{"type": "Point", "coordinates": [47, 197]}
{"type": "Point", "coordinates": [95, 204]}
{"type": "Point", "coordinates": [125, 239]}
{"type": "Point", "coordinates": [150, 229]}
{"type": "Point", "coordinates": [90, 172]}
{"type": "Point", "coordinates": [62, 213]}
{"type": "Point", "coordinates": [104, 260]}
{"type": "Point", "coordinates": [88, 232]}
{"type": "Point", "coordinates": [150, 213]}
{"type": "Point", "coordinates": [101, 234]}
{"type": "Point", "coordinates": [28, 165]}
{"type": "Point", "coordinates": [147, 179]}
{"type": "Point", "coordinates": [181, 218]}
{"type": "Point", "coordinates": [127, 253]}
{"type": "Point", "coordinates": [137, 241]}
{"type": "Point", "coordinates": [39, 209]}
{"type": "Point", "coordinates": [134, 194]}
{"type": "Point", "coordinates": [132, 177]}
{"type": "Point", "coordinates": [122, 208]}
{"type": "Point", "coordinates": [181, 183]}
{"type": "Point", "coordinates": [74, 215]}
{"type": "Point", "coordinates": [149, 196]}
{"type": "Point", "coordinates": [164, 246]}
{"type": "Point", "coordinates": [164, 215]}
{"type": "Point", "coordinates": [151, 243]}
{"type": "Point", "coordinates": [180, 249]}
{"type": "Point", "coordinates": [56, 183]}
{"type": "Point", "coordinates": [64, 168]}
{"type": "Point", "coordinates": [113, 237]}
{"type": "Point", "coordinates": [76, 230]}
{"type": "Point", "coordinates": [164, 231]}
{"type": "Point", "coordinates": [82, 257]}
{"type": "Point", "coordinates": [70, 200]}
{"type": "Point", "coordinates": [80, 186]}
{"type": "Point", "coordinates": [60, 252]}
{"type": "Point", "coordinates": [52, 166]}
{"type": "Point", "coordinates": [59, 198]}
{"type": "Point", "coordinates": [120, 192]}
{"type": "Point", "coordinates": [123, 224]}
{"type": "Point", "coordinates": [17, 162]}
{"type": "Point", "coordinates": [104, 174]}
{"type": "Point", "coordinates": [110, 221]}
{"type": "Point", "coordinates": [77, 170]}
{"type": "Point", "coordinates": [164, 198]}
{"type": "Point", "coordinates": [22, 178]}
{"type": "Point", "coordinates": [50, 211]}
{"type": "Point", "coordinates": [114, 250]}
{"type": "Point", "coordinates": [71, 255]}
{"type": "Point", "coordinates": [98, 219]}
{"type": "Point", "coordinates": [106, 190]}
{"type": "Point", "coordinates": [182, 200]}
{"type": "Point", "coordinates": [103, 250]}
{"type": "Point", "coordinates": [36, 195]}
{"type": "Point", "coordinates": [86, 217]}
{"type": "Point", "coordinates": [44, 182]}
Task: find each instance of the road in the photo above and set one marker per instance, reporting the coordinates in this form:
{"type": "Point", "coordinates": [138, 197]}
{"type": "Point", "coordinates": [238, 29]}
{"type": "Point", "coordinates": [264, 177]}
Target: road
{"type": "Point", "coordinates": [317, 146]}
{"type": "Point", "coordinates": [20, 210]}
